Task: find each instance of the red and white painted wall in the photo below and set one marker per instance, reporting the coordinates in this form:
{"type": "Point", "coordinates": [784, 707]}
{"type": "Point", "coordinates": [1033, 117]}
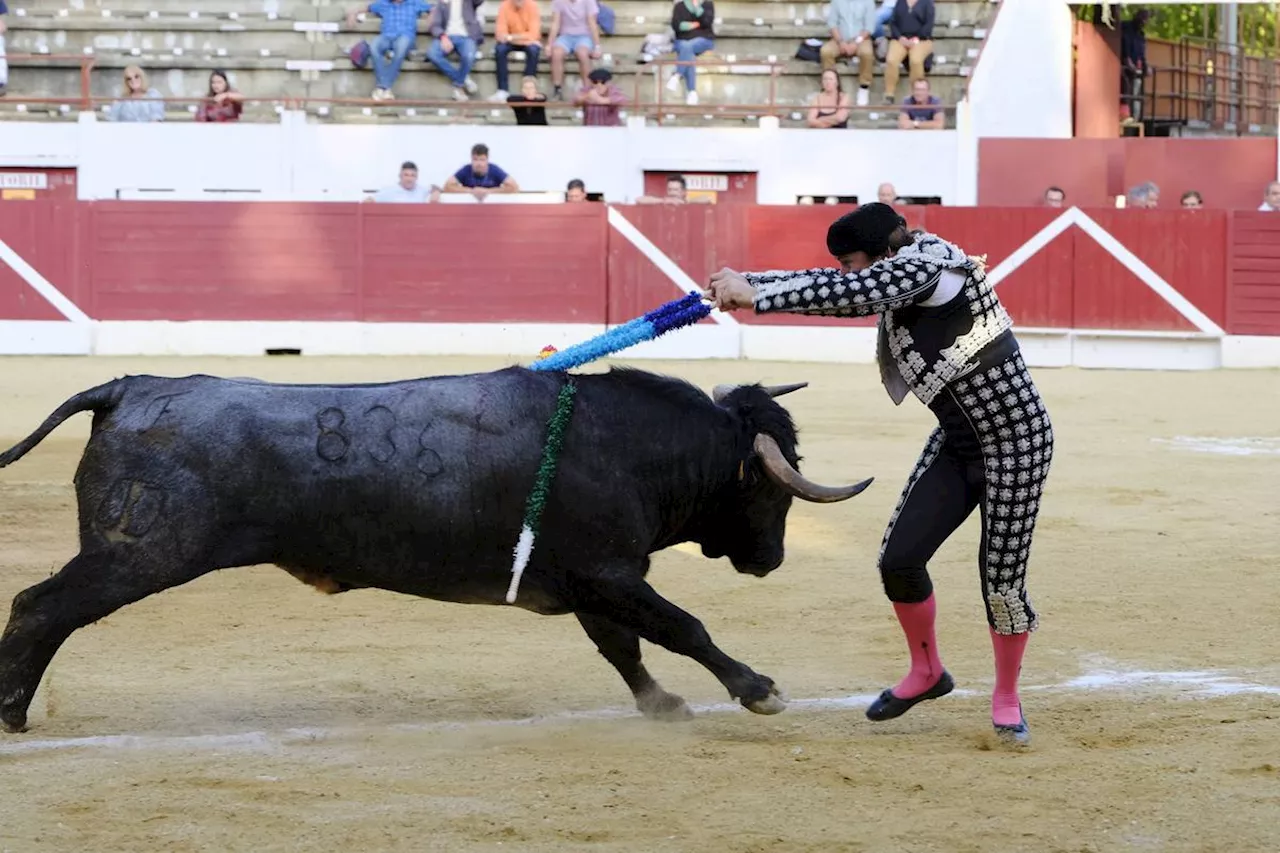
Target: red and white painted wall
{"type": "Point", "coordinates": [1093, 287]}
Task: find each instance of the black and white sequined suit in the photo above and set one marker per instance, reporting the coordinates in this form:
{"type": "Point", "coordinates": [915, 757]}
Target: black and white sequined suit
{"type": "Point", "coordinates": [944, 335]}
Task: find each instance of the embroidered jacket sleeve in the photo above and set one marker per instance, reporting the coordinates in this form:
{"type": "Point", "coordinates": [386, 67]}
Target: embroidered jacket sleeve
{"type": "Point", "coordinates": [909, 277]}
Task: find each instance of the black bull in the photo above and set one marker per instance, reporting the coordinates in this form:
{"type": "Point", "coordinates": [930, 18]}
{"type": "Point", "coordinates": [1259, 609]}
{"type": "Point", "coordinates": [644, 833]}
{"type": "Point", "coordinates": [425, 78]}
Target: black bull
{"type": "Point", "coordinates": [419, 487]}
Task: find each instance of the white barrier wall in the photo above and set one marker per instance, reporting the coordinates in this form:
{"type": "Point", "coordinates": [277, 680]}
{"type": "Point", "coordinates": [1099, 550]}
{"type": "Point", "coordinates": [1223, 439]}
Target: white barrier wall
{"type": "Point", "coordinates": [295, 159]}
{"type": "Point", "coordinates": [1022, 85]}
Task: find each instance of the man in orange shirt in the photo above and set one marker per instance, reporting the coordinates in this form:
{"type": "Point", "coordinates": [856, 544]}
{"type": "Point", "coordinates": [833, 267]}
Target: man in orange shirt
{"type": "Point", "coordinates": [519, 27]}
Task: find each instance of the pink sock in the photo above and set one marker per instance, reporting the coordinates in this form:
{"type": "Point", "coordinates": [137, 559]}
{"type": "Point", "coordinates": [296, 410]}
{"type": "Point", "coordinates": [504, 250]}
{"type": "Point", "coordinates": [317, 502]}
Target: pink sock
{"type": "Point", "coordinates": [1008, 648]}
{"type": "Point", "coordinates": [926, 667]}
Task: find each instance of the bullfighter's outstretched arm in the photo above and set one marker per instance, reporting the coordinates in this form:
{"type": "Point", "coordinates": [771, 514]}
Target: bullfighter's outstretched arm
{"type": "Point", "coordinates": [907, 278]}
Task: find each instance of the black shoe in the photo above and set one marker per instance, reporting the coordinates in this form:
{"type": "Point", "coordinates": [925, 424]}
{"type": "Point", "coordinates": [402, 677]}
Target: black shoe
{"type": "Point", "coordinates": [1019, 735]}
{"type": "Point", "coordinates": [887, 706]}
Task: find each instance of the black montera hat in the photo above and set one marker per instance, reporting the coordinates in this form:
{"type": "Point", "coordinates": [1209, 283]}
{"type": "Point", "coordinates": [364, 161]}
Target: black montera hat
{"type": "Point", "coordinates": [866, 229]}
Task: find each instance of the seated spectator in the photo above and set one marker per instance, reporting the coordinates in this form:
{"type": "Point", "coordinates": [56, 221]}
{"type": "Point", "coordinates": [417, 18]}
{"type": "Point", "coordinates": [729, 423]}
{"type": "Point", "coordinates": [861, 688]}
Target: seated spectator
{"type": "Point", "coordinates": [576, 191]}
{"type": "Point", "coordinates": [929, 119]}
{"type": "Point", "coordinates": [4, 65]}
{"type": "Point", "coordinates": [1145, 196]}
{"type": "Point", "coordinates": [830, 106]}
{"type": "Point", "coordinates": [456, 29]}
{"type": "Point", "coordinates": [601, 100]}
{"type": "Point", "coordinates": [1271, 198]}
{"type": "Point", "coordinates": [397, 36]}
{"type": "Point", "coordinates": [223, 103]}
{"type": "Point", "coordinates": [1191, 199]}
{"type": "Point", "coordinates": [693, 23]}
{"type": "Point", "coordinates": [529, 94]}
{"type": "Point", "coordinates": [677, 193]}
{"type": "Point", "coordinates": [574, 30]}
{"type": "Point", "coordinates": [480, 177]}
{"type": "Point", "coordinates": [1055, 197]}
{"type": "Point", "coordinates": [886, 193]}
{"type": "Point", "coordinates": [140, 102]}
{"type": "Point", "coordinates": [883, 14]}
{"type": "Point", "coordinates": [519, 27]}
{"type": "Point", "coordinates": [852, 23]}
{"type": "Point", "coordinates": [408, 190]}
{"type": "Point", "coordinates": [911, 34]}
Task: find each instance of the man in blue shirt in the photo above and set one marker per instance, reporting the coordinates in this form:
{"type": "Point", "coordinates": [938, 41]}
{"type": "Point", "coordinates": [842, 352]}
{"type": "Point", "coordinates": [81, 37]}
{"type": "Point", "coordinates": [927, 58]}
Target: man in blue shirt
{"type": "Point", "coordinates": [917, 109]}
{"type": "Point", "coordinates": [481, 177]}
{"type": "Point", "coordinates": [398, 35]}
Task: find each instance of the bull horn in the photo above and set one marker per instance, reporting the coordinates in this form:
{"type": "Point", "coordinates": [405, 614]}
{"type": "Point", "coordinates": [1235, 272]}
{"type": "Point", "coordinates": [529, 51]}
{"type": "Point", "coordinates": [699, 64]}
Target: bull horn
{"type": "Point", "coordinates": [793, 482]}
{"type": "Point", "coordinates": [720, 392]}
{"type": "Point", "coordinates": [779, 390]}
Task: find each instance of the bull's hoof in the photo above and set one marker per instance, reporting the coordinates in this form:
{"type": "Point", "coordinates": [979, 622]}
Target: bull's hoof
{"type": "Point", "coordinates": [13, 723]}
{"type": "Point", "coordinates": [658, 704]}
{"type": "Point", "coordinates": [773, 703]}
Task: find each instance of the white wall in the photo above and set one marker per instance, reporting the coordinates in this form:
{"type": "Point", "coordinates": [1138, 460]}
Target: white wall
{"type": "Point", "coordinates": [294, 159]}
{"type": "Point", "coordinates": [48, 144]}
{"type": "Point", "coordinates": [1021, 86]}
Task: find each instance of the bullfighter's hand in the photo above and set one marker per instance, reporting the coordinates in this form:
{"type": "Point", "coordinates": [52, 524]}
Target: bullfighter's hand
{"type": "Point", "coordinates": [729, 290]}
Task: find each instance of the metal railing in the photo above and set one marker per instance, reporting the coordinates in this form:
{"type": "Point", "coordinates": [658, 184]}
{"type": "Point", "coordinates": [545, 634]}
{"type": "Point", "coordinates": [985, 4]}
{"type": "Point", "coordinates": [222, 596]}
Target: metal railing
{"type": "Point", "coordinates": [773, 69]}
{"type": "Point", "coordinates": [1212, 85]}
{"type": "Point", "coordinates": [84, 101]}
{"type": "Point", "coordinates": [657, 106]}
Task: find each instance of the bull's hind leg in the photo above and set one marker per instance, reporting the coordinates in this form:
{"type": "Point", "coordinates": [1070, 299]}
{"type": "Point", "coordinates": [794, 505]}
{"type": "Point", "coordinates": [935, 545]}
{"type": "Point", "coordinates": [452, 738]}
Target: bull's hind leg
{"type": "Point", "coordinates": [90, 587]}
{"type": "Point", "coordinates": [621, 647]}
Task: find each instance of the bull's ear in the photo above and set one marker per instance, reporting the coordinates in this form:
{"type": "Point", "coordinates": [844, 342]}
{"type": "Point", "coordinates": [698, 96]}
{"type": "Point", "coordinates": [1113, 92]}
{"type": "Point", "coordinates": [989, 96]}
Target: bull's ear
{"type": "Point", "coordinates": [721, 392]}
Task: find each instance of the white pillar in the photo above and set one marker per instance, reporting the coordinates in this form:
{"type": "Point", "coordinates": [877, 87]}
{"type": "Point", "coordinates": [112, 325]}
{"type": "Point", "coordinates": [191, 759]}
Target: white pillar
{"type": "Point", "coordinates": [966, 156]}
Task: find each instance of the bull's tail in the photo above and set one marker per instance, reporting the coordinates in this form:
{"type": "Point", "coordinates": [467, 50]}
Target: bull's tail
{"type": "Point", "coordinates": [100, 399]}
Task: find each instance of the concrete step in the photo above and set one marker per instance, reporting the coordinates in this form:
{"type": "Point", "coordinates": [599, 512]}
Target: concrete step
{"type": "Point", "coordinates": [187, 76]}
{"type": "Point", "coordinates": [167, 48]}
{"type": "Point", "coordinates": [969, 12]}
{"type": "Point", "coordinates": [973, 12]}
{"type": "Point", "coordinates": [790, 93]}
{"type": "Point", "coordinates": [472, 114]}
{"type": "Point", "coordinates": [120, 25]}
{"type": "Point", "coordinates": [749, 65]}
{"type": "Point", "coordinates": [202, 8]}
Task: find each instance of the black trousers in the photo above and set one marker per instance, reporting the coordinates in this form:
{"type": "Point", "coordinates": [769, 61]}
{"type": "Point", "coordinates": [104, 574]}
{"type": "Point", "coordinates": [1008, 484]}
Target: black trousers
{"type": "Point", "coordinates": [531, 54]}
{"type": "Point", "coordinates": [991, 450]}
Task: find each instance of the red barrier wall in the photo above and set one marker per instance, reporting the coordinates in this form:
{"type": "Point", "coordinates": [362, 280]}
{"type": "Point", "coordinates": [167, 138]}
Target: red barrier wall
{"type": "Point", "coordinates": [1229, 173]}
{"type": "Point", "coordinates": [277, 261]}
{"type": "Point", "coordinates": [1253, 299]}
{"type": "Point", "coordinates": [567, 264]}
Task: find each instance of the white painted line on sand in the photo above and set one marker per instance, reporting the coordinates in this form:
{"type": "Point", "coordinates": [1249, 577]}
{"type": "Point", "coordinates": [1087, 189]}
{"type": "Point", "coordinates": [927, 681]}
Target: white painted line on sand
{"type": "Point", "coordinates": [1188, 684]}
{"type": "Point", "coordinates": [1236, 446]}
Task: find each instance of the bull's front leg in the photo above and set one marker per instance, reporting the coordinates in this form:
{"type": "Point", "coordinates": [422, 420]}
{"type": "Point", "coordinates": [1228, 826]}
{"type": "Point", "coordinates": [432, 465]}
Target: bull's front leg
{"type": "Point", "coordinates": [621, 595]}
{"type": "Point", "coordinates": [621, 647]}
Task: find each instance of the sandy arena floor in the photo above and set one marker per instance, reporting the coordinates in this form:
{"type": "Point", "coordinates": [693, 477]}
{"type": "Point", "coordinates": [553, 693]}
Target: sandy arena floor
{"type": "Point", "coordinates": [247, 712]}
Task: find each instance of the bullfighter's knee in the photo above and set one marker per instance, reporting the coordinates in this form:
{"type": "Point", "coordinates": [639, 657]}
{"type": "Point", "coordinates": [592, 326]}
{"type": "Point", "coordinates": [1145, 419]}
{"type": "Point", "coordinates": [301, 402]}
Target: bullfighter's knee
{"type": "Point", "coordinates": [905, 578]}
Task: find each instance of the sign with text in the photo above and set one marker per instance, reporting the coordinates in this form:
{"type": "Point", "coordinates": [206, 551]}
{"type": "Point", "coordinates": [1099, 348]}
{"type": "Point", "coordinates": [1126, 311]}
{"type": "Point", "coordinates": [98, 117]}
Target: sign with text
{"type": "Point", "coordinates": [24, 181]}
